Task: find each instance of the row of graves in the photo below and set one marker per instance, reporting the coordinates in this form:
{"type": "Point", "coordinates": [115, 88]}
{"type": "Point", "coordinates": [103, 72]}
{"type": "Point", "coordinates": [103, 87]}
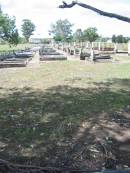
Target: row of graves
{"type": "Point", "coordinates": [97, 51]}
{"type": "Point", "coordinates": [19, 58]}
{"type": "Point", "coordinates": [48, 53]}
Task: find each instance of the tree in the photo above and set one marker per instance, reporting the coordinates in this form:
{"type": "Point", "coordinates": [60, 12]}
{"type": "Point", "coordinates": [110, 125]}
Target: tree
{"type": "Point", "coordinates": [27, 29]}
{"type": "Point", "coordinates": [103, 13]}
{"type": "Point", "coordinates": [57, 38]}
{"type": "Point", "coordinates": [22, 40]}
{"type": "Point", "coordinates": [78, 35]}
{"type": "Point", "coordinates": [61, 30]}
{"type": "Point", "coordinates": [0, 10]}
{"type": "Point", "coordinates": [90, 34]}
{"type": "Point", "coordinates": [8, 30]}
{"type": "Point", "coordinates": [119, 39]}
{"type": "Point", "coordinates": [114, 39]}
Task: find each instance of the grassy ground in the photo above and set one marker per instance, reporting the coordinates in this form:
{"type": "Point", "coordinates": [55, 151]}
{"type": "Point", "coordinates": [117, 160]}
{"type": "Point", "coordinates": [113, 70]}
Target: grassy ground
{"type": "Point", "coordinates": [66, 114]}
{"type": "Point", "coordinates": [18, 47]}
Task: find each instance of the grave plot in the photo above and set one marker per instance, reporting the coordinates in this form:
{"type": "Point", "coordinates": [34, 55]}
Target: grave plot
{"type": "Point", "coordinates": [102, 58]}
{"type": "Point", "coordinates": [96, 57]}
{"type": "Point", "coordinates": [15, 59]}
{"type": "Point", "coordinates": [50, 54]}
{"type": "Point", "coordinates": [101, 52]}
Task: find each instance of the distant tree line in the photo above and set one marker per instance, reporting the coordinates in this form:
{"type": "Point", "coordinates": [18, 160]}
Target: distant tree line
{"type": "Point", "coordinates": [62, 31]}
{"type": "Point", "coordinates": [119, 39]}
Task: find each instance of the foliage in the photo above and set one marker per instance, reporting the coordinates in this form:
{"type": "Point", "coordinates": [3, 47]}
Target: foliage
{"type": "Point", "coordinates": [61, 30]}
{"type": "Point", "coordinates": [78, 35]}
{"type": "Point", "coordinates": [57, 38]}
{"type": "Point", "coordinates": [22, 40]}
{"type": "Point", "coordinates": [114, 38]}
{"type": "Point", "coordinates": [69, 39]}
{"type": "Point", "coordinates": [27, 29]}
{"type": "Point", "coordinates": [46, 41]}
{"type": "Point", "coordinates": [8, 30]}
{"type": "Point", "coordinates": [103, 39]}
{"type": "Point", "coordinates": [119, 39]}
{"type": "Point", "coordinates": [0, 10]}
{"type": "Point", "coordinates": [90, 34]}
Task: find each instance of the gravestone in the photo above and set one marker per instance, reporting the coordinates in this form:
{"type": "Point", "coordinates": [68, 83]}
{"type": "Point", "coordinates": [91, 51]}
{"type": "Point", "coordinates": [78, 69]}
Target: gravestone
{"type": "Point", "coordinates": [47, 53]}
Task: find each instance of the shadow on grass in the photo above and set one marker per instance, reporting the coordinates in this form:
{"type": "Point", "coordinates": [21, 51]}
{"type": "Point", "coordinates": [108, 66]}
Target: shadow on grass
{"type": "Point", "coordinates": [65, 126]}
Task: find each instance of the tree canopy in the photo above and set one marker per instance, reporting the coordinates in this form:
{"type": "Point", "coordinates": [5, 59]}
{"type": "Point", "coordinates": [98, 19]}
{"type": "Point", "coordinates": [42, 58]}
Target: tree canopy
{"type": "Point", "coordinates": [78, 35]}
{"type": "Point", "coordinates": [90, 34]}
{"type": "Point", "coordinates": [27, 28]}
{"type": "Point", "coordinates": [119, 39]}
{"type": "Point", "coordinates": [8, 30]}
{"type": "Point", "coordinates": [61, 30]}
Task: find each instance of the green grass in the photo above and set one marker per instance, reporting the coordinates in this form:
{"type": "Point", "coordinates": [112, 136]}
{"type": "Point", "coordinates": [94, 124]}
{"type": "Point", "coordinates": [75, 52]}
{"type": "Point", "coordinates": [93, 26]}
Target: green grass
{"type": "Point", "coordinates": [6, 47]}
{"type": "Point", "coordinates": [48, 113]}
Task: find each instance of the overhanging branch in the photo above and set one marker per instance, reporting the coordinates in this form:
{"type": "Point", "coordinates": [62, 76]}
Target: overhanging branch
{"type": "Point", "coordinates": [103, 13]}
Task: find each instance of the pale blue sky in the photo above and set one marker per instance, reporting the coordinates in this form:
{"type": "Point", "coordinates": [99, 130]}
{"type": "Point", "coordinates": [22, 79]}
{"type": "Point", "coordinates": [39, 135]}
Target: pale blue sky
{"type": "Point", "coordinates": [45, 12]}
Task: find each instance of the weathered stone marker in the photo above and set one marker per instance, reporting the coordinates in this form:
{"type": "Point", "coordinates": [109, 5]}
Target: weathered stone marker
{"type": "Point", "coordinates": [92, 54]}
{"type": "Point", "coordinates": [99, 46]}
{"type": "Point", "coordinates": [115, 48]}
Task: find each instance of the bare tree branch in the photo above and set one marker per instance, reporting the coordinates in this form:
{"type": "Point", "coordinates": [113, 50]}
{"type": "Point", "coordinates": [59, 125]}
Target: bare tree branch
{"type": "Point", "coordinates": [7, 167]}
{"type": "Point", "coordinates": [103, 13]}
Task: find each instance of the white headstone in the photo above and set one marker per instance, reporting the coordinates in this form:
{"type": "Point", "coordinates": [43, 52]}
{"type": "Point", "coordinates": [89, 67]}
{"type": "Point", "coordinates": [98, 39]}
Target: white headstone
{"type": "Point", "coordinates": [115, 47]}
{"type": "Point", "coordinates": [99, 46]}
{"type": "Point", "coordinates": [92, 44]}
{"type": "Point", "coordinates": [87, 44]}
{"type": "Point", "coordinates": [92, 55]}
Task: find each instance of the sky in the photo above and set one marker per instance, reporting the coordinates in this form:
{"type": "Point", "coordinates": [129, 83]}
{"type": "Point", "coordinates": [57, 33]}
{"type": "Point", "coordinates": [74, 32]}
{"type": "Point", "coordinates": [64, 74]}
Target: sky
{"type": "Point", "coordinates": [45, 12]}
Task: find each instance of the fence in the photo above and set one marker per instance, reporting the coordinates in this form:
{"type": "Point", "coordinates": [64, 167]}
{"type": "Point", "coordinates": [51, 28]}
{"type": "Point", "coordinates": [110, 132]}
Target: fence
{"type": "Point", "coordinates": [99, 46]}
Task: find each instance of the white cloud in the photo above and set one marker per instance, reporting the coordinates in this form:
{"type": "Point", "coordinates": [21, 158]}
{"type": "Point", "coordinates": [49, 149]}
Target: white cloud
{"type": "Point", "coordinates": [45, 12]}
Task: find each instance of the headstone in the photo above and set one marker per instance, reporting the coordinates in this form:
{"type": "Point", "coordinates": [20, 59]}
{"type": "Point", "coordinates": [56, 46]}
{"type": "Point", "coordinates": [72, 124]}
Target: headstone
{"type": "Point", "coordinates": [99, 46]}
{"type": "Point", "coordinates": [81, 44]}
{"type": "Point", "coordinates": [87, 44]}
{"type": "Point", "coordinates": [92, 55]}
{"type": "Point", "coordinates": [115, 47]}
{"type": "Point", "coordinates": [92, 44]}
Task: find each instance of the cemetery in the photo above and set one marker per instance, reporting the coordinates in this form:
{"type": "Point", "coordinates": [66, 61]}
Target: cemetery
{"type": "Point", "coordinates": [15, 58]}
{"type": "Point", "coordinates": [48, 53]}
{"type": "Point", "coordinates": [67, 110]}
{"type": "Point", "coordinates": [97, 52]}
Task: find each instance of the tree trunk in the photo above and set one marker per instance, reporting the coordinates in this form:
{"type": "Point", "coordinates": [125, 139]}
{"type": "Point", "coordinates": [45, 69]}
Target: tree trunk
{"type": "Point", "coordinates": [103, 13]}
